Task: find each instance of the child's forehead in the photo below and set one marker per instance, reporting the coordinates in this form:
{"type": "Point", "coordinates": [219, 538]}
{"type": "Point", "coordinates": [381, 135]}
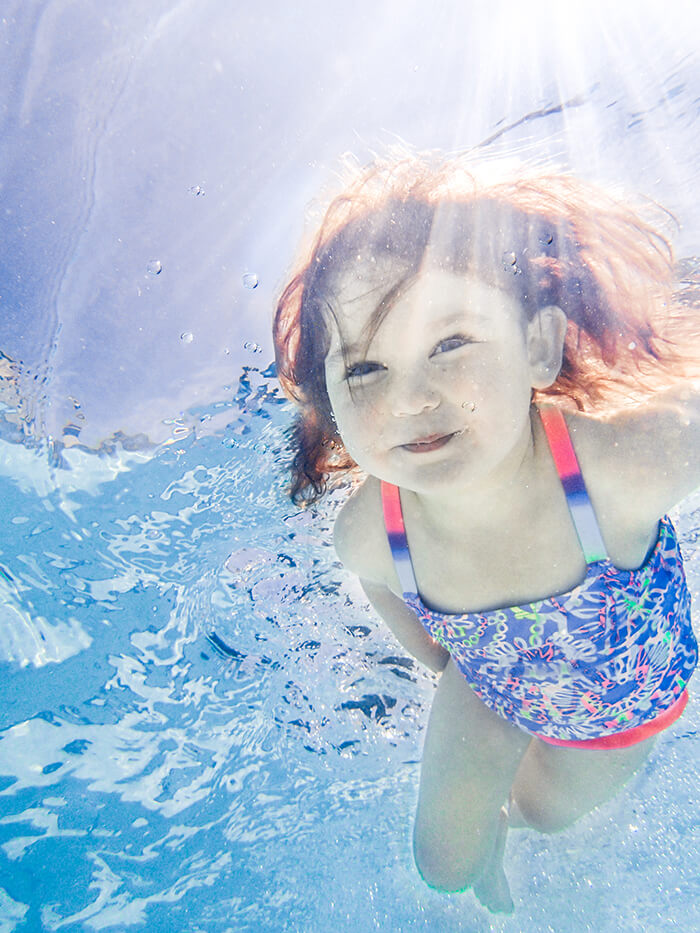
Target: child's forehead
{"type": "Point", "coordinates": [365, 277]}
{"type": "Point", "coordinates": [363, 288]}
{"type": "Point", "coordinates": [433, 295]}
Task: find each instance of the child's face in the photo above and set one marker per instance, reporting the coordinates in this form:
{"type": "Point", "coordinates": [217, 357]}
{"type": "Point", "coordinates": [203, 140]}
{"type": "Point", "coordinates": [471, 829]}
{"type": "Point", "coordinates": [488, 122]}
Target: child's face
{"type": "Point", "coordinates": [442, 394]}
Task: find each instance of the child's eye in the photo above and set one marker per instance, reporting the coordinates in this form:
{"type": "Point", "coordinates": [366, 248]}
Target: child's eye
{"type": "Point", "coordinates": [451, 343]}
{"type": "Point", "coordinates": [365, 368]}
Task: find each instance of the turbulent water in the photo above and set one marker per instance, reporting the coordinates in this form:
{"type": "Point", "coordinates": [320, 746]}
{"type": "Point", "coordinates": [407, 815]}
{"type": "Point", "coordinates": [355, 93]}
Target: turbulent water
{"type": "Point", "coordinates": [205, 728]}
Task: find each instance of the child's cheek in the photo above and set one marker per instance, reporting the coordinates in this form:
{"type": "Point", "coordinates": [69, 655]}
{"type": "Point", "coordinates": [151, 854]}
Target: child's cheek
{"type": "Point", "coordinates": [366, 398]}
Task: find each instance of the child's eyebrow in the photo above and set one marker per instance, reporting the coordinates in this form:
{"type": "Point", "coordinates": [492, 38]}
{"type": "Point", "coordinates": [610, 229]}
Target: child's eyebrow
{"type": "Point", "coordinates": [451, 318]}
{"type": "Point", "coordinates": [344, 353]}
{"type": "Point", "coordinates": [461, 316]}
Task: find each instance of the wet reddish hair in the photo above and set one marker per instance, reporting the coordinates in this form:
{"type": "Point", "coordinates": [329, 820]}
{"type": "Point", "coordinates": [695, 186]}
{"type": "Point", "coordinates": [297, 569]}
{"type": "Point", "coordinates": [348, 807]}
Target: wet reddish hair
{"type": "Point", "coordinates": [545, 237]}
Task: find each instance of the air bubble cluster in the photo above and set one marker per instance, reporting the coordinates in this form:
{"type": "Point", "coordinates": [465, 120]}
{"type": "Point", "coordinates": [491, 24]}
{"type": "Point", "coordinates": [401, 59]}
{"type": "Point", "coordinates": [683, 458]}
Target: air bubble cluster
{"type": "Point", "coordinates": [510, 262]}
{"type": "Point", "coordinates": [250, 280]}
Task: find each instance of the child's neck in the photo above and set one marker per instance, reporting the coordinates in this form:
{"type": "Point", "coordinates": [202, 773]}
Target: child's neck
{"type": "Point", "coordinates": [519, 482]}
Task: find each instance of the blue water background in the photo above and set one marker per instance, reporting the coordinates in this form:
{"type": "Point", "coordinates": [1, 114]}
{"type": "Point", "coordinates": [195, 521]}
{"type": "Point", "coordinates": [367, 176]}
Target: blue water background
{"type": "Point", "coordinates": [202, 726]}
{"type": "Point", "coordinates": [231, 741]}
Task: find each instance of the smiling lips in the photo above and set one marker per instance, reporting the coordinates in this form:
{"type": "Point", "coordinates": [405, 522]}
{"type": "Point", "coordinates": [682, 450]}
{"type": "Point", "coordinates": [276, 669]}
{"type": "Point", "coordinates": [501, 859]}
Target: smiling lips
{"type": "Point", "coordinates": [426, 444]}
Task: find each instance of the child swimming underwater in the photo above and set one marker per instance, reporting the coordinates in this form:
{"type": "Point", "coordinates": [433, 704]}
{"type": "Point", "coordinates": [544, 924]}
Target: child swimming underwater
{"type": "Point", "coordinates": [468, 343]}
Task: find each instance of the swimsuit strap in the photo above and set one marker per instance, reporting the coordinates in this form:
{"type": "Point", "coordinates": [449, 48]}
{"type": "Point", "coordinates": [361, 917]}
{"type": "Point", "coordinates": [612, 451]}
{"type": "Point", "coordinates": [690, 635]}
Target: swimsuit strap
{"type": "Point", "coordinates": [569, 471]}
{"type": "Point", "coordinates": [396, 533]}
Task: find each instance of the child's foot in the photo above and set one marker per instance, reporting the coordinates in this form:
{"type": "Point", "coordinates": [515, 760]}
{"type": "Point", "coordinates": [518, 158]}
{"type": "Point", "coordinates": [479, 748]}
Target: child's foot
{"type": "Point", "coordinates": [492, 888]}
{"type": "Point", "coordinates": [493, 892]}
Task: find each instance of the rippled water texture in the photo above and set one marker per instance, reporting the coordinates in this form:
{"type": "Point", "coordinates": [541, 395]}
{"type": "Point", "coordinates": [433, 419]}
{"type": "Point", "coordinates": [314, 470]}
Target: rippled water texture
{"type": "Point", "coordinates": [202, 725]}
{"type": "Point", "coordinates": [205, 729]}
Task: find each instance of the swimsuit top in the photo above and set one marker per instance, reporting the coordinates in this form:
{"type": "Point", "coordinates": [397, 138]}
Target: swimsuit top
{"type": "Point", "coordinates": [609, 655]}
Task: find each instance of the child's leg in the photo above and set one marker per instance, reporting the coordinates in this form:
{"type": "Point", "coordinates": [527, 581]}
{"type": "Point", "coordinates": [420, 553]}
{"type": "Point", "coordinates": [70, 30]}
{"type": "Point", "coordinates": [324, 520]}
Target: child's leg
{"type": "Point", "coordinates": [470, 759]}
{"type": "Point", "coordinates": [555, 786]}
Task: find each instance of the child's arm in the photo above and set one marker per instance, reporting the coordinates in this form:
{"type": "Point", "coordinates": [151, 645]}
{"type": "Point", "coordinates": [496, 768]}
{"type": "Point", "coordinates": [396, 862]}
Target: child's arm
{"type": "Point", "coordinates": [649, 455]}
{"type": "Point", "coordinates": [403, 623]}
{"type": "Point", "coordinates": [362, 546]}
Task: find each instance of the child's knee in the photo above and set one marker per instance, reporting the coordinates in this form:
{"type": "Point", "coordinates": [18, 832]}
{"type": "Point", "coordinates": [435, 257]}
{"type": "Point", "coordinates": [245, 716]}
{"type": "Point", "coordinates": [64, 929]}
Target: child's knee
{"type": "Point", "coordinates": [546, 806]}
{"type": "Point", "coordinates": [542, 815]}
{"type": "Point", "coordinates": [440, 873]}
{"type": "Point", "coordinates": [441, 867]}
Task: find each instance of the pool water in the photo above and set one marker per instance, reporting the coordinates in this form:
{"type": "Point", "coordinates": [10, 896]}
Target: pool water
{"type": "Point", "coordinates": [216, 734]}
{"type": "Point", "coordinates": [203, 727]}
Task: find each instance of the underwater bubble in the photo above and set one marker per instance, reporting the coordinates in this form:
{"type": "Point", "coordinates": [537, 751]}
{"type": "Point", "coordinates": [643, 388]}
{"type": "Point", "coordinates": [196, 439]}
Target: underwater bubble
{"type": "Point", "coordinates": [632, 346]}
{"type": "Point", "coordinates": [250, 280]}
{"type": "Point", "coordinates": [196, 190]}
{"type": "Point", "coordinates": [155, 267]}
{"type": "Point", "coordinates": [510, 262]}
{"type": "Point", "coordinates": [230, 442]}
{"type": "Point", "coordinates": [546, 239]}
{"type": "Point", "coordinates": [470, 405]}
{"type": "Point", "coordinates": [187, 337]}
{"type": "Point", "coordinates": [253, 347]}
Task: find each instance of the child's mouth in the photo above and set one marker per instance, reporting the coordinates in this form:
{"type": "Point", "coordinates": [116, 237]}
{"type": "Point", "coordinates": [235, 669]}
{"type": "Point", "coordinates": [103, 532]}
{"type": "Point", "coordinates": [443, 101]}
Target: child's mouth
{"type": "Point", "coordinates": [426, 444]}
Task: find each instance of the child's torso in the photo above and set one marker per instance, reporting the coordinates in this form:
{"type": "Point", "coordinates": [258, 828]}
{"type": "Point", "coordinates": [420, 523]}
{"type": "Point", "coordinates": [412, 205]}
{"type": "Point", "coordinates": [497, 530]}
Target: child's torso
{"type": "Point", "coordinates": [535, 552]}
{"type": "Point", "coordinates": [615, 644]}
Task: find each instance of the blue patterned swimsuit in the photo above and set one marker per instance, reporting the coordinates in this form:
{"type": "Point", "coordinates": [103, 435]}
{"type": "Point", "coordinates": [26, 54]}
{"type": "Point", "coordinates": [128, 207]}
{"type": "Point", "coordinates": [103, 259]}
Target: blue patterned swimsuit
{"type": "Point", "coordinates": [605, 664]}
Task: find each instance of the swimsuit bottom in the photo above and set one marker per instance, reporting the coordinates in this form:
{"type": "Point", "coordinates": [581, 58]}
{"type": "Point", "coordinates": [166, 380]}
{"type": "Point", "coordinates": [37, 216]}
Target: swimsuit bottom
{"type": "Point", "coordinates": [630, 736]}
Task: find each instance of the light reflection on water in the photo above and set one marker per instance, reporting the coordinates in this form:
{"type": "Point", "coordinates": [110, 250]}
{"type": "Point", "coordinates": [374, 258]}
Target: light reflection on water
{"type": "Point", "coordinates": [231, 742]}
{"type": "Point", "coordinates": [181, 741]}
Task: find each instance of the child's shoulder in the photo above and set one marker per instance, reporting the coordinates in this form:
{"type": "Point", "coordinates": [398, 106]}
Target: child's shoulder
{"type": "Point", "coordinates": [607, 452]}
{"type": "Point", "coordinates": [642, 460]}
{"type": "Point", "coordinates": [359, 535]}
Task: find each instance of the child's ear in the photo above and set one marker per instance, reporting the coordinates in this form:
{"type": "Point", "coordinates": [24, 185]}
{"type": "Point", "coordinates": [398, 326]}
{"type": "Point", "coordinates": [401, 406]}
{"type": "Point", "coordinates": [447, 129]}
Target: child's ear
{"type": "Point", "coordinates": [545, 345]}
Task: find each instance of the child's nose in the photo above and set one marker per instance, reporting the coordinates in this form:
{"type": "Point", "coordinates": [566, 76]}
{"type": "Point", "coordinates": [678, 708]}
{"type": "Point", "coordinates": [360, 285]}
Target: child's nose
{"type": "Point", "coordinates": [413, 394]}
